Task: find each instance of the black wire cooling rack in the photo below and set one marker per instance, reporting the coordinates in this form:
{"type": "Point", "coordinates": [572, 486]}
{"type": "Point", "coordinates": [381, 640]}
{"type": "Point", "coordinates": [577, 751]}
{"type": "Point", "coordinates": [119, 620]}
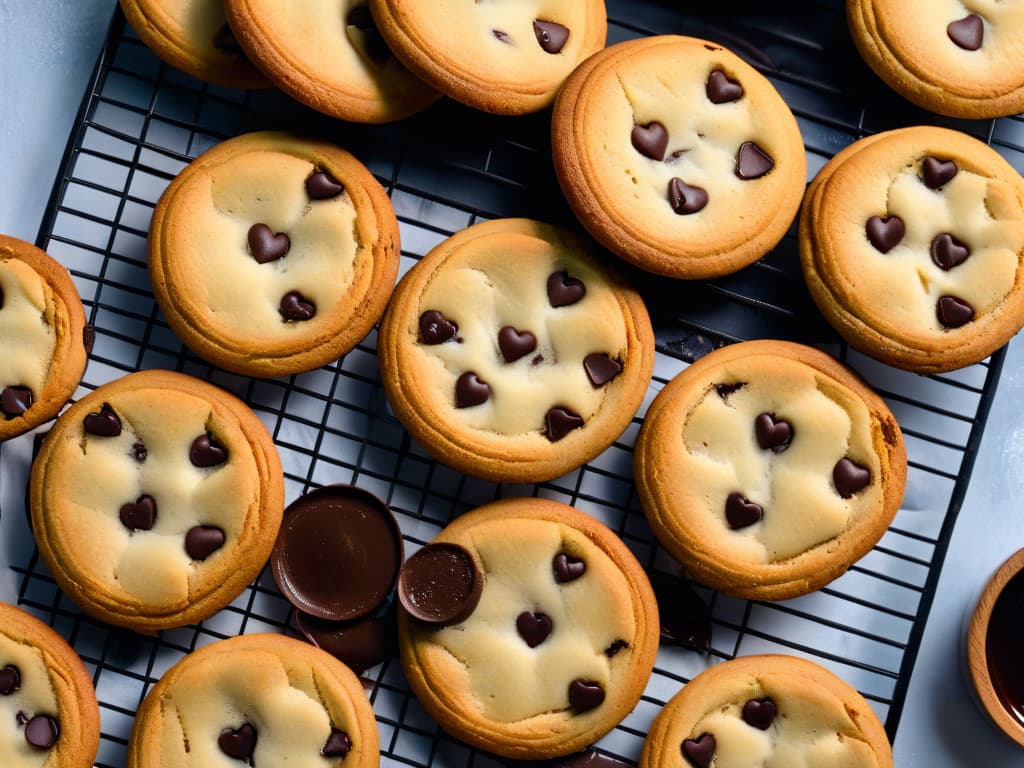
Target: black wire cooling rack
{"type": "Point", "coordinates": [141, 122]}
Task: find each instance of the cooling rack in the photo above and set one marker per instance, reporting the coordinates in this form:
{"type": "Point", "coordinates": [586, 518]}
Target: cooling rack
{"type": "Point", "coordinates": [141, 122]}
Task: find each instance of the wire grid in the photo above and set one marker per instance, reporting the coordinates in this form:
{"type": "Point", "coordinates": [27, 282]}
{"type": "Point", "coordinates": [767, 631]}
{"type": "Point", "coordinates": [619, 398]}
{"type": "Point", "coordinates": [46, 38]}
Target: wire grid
{"type": "Point", "coordinates": [141, 122]}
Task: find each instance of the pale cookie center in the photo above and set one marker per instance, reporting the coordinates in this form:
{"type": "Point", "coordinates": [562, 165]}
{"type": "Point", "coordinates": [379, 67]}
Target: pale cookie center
{"type": "Point", "coordinates": [29, 721]}
{"type": "Point", "coordinates": [26, 337]}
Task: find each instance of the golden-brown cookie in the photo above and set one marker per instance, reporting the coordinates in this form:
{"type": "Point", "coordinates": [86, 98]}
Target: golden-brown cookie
{"type": "Point", "coordinates": [767, 468]}
{"type": "Point", "coordinates": [678, 156]}
{"type": "Point", "coordinates": [912, 243]}
{"type": "Point", "coordinates": [41, 335]}
{"type": "Point", "coordinates": [272, 254]}
{"type": "Point", "coordinates": [511, 353]}
{"type": "Point", "coordinates": [156, 499]}
{"type": "Point", "coordinates": [769, 710]}
{"type": "Point", "coordinates": [261, 700]}
{"type": "Point", "coordinates": [536, 632]}
{"type": "Point", "coordinates": [49, 717]}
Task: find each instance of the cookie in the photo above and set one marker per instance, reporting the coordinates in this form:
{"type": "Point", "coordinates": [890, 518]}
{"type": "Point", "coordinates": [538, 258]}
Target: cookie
{"type": "Point", "coordinates": [193, 36]}
{"type": "Point", "coordinates": [42, 326]}
{"type": "Point", "coordinates": [263, 700]}
{"type": "Point", "coordinates": [767, 468]}
{"type": "Point", "coordinates": [512, 354]}
{"type": "Point", "coordinates": [678, 156]}
{"type": "Point", "coordinates": [911, 243]}
{"type": "Point", "coordinates": [272, 254]}
{"type": "Point", "coordinates": [767, 710]}
{"type": "Point", "coordinates": [508, 57]}
{"type": "Point", "coordinates": [961, 60]}
{"type": "Point", "coordinates": [528, 630]}
{"type": "Point", "coordinates": [328, 55]}
{"type": "Point", "coordinates": [49, 717]}
{"type": "Point", "coordinates": [155, 500]}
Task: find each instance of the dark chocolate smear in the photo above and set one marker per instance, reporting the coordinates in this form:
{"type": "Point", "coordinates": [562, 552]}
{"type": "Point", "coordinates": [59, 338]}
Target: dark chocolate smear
{"type": "Point", "coordinates": [564, 290]}
{"type": "Point", "coordinates": [759, 713]}
{"type": "Point", "coordinates": [435, 328]}
{"type": "Point", "coordinates": [533, 627]}
{"type": "Point", "coordinates": [515, 344]}
{"type": "Point", "coordinates": [338, 744]}
{"type": "Point", "coordinates": [585, 695]}
{"type": "Point", "coordinates": [953, 312]}
{"type": "Point", "coordinates": [650, 140]}
{"type": "Point", "coordinates": [948, 252]}
{"type": "Point", "coordinates": [103, 423]}
{"type": "Point", "coordinates": [686, 199]}
{"type": "Point", "coordinates": [322, 186]}
{"type": "Point", "coordinates": [14, 401]}
{"type": "Point", "coordinates": [849, 477]}
{"type": "Point", "coordinates": [885, 233]}
{"type": "Point", "coordinates": [721, 89]}
{"type": "Point", "coordinates": [440, 584]}
{"type": "Point", "coordinates": [140, 515]}
{"type": "Point", "coordinates": [360, 644]}
{"type": "Point", "coordinates": [967, 33]}
{"type": "Point", "coordinates": [42, 732]}
{"type": "Point", "coordinates": [550, 35]}
{"type": "Point", "coordinates": [265, 245]}
{"type": "Point", "coordinates": [10, 680]}
{"type": "Point", "coordinates": [741, 512]}
{"type": "Point", "coordinates": [296, 307]}
{"type": "Point", "coordinates": [685, 618]}
{"type": "Point", "coordinates": [752, 162]}
{"type": "Point", "coordinates": [201, 541]}
{"type": "Point", "coordinates": [567, 568]}
{"type": "Point", "coordinates": [935, 173]}
{"type": "Point", "coordinates": [601, 369]}
{"type": "Point", "coordinates": [239, 743]}
{"type": "Point", "coordinates": [700, 752]}
{"type": "Point", "coordinates": [471, 390]}
{"type": "Point", "coordinates": [206, 452]}
{"type": "Point", "coordinates": [772, 434]}
{"type": "Point", "coordinates": [559, 422]}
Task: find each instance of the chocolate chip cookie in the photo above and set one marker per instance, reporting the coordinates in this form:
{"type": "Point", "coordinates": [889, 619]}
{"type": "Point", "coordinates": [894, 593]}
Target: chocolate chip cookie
{"type": "Point", "coordinates": [528, 629]}
{"type": "Point", "coordinates": [512, 354]}
{"type": "Point", "coordinates": [155, 500]}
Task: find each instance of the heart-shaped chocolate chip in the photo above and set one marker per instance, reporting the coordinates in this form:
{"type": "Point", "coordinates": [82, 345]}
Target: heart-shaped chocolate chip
{"type": "Point", "coordinates": [721, 89]}
{"type": "Point", "coordinates": [700, 751]}
{"type": "Point", "coordinates": [885, 233]}
{"type": "Point", "coordinates": [759, 713]}
{"type": "Point", "coordinates": [585, 695]}
{"type": "Point", "coordinates": [550, 35]}
{"type": "Point", "coordinates": [534, 628]}
{"type": "Point", "coordinates": [559, 422]}
{"type": "Point", "coordinates": [849, 477]}
{"type": "Point", "coordinates": [322, 186]}
{"type": "Point", "coordinates": [948, 252]}
{"type": "Point", "coordinates": [140, 515]}
{"type": "Point", "coordinates": [515, 344]}
{"type": "Point", "coordinates": [752, 162]}
{"type": "Point", "coordinates": [953, 312]}
{"type": "Point", "coordinates": [601, 369]}
{"type": "Point", "coordinates": [201, 541]}
{"type": "Point", "coordinates": [686, 199]}
{"type": "Point", "coordinates": [650, 140]}
{"type": "Point", "coordinates": [338, 744]}
{"type": "Point", "coordinates": [967, 33]}
{"type": "Point", "coordinates": [265, 245]}
{"type": "Point", "coordinates": [435, 328]}
{"type": "Point", "coordinates": [471, 390]}
{"type": "Point", "coordinates": [773, 434]}
{"type": "Point", "coordinates": [741, 512]}
{"type": "Point", "coordinates": [103, 423]}
{"type": "Point", "coordinates": [567, 568]}
{"type": "Point", "coordinates": [239, 743]}
{"type": "Point", "coordinates": [936, 173]}
{"type": "Point", "coordinates": [42, 732]}
{"type": "Point", "coordinates": [206, 452]}
{"type": "Point", "coordinates": [296, 308]}
{"type": "Point", "coordinates": [564, 290]}
{"type": "Point", "coordinates": [10, 680]}
{"type": "Point", "coordinates": [14, 401]}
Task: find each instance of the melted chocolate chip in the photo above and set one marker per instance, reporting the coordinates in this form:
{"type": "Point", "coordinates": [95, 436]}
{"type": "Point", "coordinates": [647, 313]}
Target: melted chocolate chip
{"type": "Point", "coordinates": [685, 618]}
{"type": "Point", "coordinates": [503, 36]}
{"type": "Point", "coordinates": [585, 695]}
{"type": "Point", "coordinates": [650, 140]}
{"type": "Point", "coordinates": [885, 233]}
{"type": "Point", "coordinates": [14, 401]}
{"type": "Point", "coordinates": [550, 36]}
{"type": "Point", "coordinates": [360, 644]}
{"type": "Point", "coordinates": [935, 173]}
{"type": "Point", "coordinates": [948, 252]}
{"type": "Point", "coordinates": [567, 568]}
{"type": "Point", "coordinates": [338, 744]}
{"type": "Point", "coordinates": [440, 584]}
{"type": "Point", "coordinates": [564, 290]}
{"type": "Point", "coordinates": [721, 89]}
{"type": "Point", "coordinates": [10, 680]}
{"type": "Point", "coordinates": [265, 245]}
{"type": "Point", "coordinates": [140, 515]}
{"type": "Point", "coordinates": [601, 369]}
{"type": "Point", "coordinates": [534, 628]}
{"type": "Point", "coordinates": [225, 42]}
{"type": "Point", "coordinates": [139, 452]}
{"type": "Point", "coordinates": [759, 713]}
{"type": "Point", "coordinates": [724, 390]}
{"type": "Point", "coordinates": [849, 477]}
{"type": "Point", "coordinates": [686, 199]}
{"type": "Point", "coordinates": [772, 434]}
{"type": "Point", "coordinates": [615, 647]}
{"type": "Point", "coordinates": [740, 512]}
{"type": "Point", "coordinates": [700, 752]}
{"type": "Point", "coordinates": [206, 452]}
{"type": "Point", "coordinates": [296, 307]}
{"type": "Point", "coordinates": [201, 541]}
{"type": "Point", "coordinates": [967, 33]}
{"type": "Point", "coordinates": [103, 423]}
{"type": "Point", "coordinates": [435, 328]}
{"type": "Point", "coordinates": [239, 743]}
{"type": "Point", "coordinates": [1002, 647]}
{"type": "Point", "coordinates": [322, 186]}
{"type": "Point", "coordinates": [559, 422]}
{"type": "Point", "coordinates": [752, 162]}
{"type": "Point", "coordinates": [42, 732]}
{"type": "Point", "coordinates": [471, 390]}
{"type": "Point", "coordinates": [515, 344]}
{"type": "Point", "coordinates": [953, 312]}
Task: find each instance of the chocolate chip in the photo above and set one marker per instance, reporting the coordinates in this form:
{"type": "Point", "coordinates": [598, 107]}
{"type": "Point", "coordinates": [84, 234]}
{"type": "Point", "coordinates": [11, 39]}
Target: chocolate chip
{"type": "Point", "coordinates": [759, 713]}
{"type": "Point", "coordinates": [724, 390]}
{"type": "Point", "coordinates": [103, 423]}
{"type": "Point", "coordinates": [601, 369]}
{"type": "Point", "coordinates": [564, 290]}
{"type": "Point", "coordinates": [772, 434]}
{"type": "Point", "coordinates": [948, 252]}
{"type": "Point", "coordinates": [534, 628]}
{"type": "Point", "coordinates": [503, 36]}
{"type": "Point", "coordinates": [139, 452]}
{"type": "Point", "coordinates": [885, 233]}
{"type": "Point", "coordinates": [338, 744]}
{"type": "Point", "coordinates": [650, 140]}
{"type": "Point", "coordinates": [752, 162]}
{"type": "Point", "coordinates": [471, 390]}
{"type": "Point", "coordinates": [953, 312]}
{"type": "Point", "coordinates": [515, 344]}
{"type": "Point", "coordinates": [322, 186]}
{"type": "Point", "coordinates": [700, 752]}
{"type": "Point", "coordinates": [140, 515]}
{"type": "Point", "coordinates": [721, 89]}
{"type": "Point", "coordinates": [440, 584]}
{"type": "Point", "coordinates": [685, 618]}
{"type": "Point", "coordinates": [550, 35]}
{"type": "Point", "coordinates": [537, 360]}
{"type": "Point", "coordinates": [207, 452]}
{"type": "Point", "coordinates": [265, 245]}
{"type": "Point", "coordinates": [239, 743]}
{"type": "Point", "coordinates": [935, 173]}
{"type": "Point", "coordinates": [10, 680]}
{"type": "Point", "coordinates": [585, 695]}
{"type": "Point", "coordinates": [435, 328]}
{"type": "Point", "coordinates": [849, 477]}
{"type": "Point", "coordinates": [201, 541]}
{"type": "Point", "coordinates": [42, 732]}
{"type": "Point", "coordinates": [88, 338]}
{"type": "Point", "coordinates": [740, 512]}
{"type": "Point", "coordinates": [968, 33]}
{"type": "Point", "coordinates": [360, 644]}
{"type": "Point", "coordinates": [567, 568]}
{"type": "Point", "coordinates": [686, 199]}
{"type": "Point", "coordinates": [559, 422]}
{"type": "Point", "coordinates": [21, 718]}
{"type": "Point", "coordinates": [296, 307]}
{"type": "Point", "coordinates": [615, 647]}
{"type": "Point", "coordinates": [225, 42]}
{"type": "Point", "coordinates": [14, 401]}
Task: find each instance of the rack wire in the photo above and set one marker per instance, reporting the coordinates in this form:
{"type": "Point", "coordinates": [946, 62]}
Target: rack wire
{"type": "Point", "coordinates": [141, 122]}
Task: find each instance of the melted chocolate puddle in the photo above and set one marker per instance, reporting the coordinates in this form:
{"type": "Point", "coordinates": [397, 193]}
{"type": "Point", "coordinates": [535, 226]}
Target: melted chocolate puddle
{"type": "Point", "coordinates": [1002, 646]}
